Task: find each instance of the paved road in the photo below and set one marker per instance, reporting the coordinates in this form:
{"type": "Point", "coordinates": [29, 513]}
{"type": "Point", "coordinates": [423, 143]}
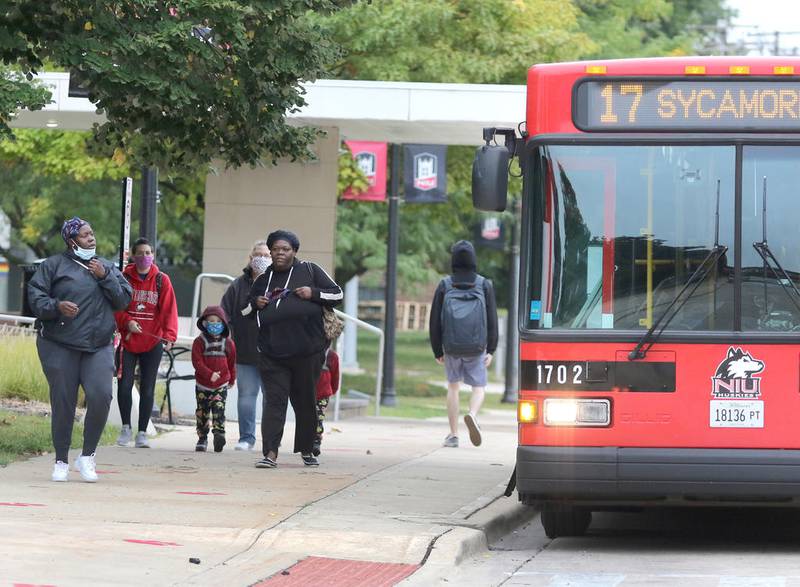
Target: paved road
{"type": "Point", "coordinates": [688, 547]}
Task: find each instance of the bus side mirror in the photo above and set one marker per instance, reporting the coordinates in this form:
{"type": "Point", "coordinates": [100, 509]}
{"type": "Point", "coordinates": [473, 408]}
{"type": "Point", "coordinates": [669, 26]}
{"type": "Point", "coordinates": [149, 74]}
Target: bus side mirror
{"type": "Point", "coordinates": [490, 178]}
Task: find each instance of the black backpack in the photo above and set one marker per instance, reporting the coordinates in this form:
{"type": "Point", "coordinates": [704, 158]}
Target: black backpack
{"type": "Point", "coordinates": [464, 328]}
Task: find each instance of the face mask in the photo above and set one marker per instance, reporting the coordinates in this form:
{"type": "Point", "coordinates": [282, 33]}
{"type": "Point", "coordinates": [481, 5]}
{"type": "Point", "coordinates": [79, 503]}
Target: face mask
{"type": "Point", "coordinates": [143, 262]}
{"type": "Point", "coordinates": [260, 264]}
{"type": "Point", "coordinates": [85, 254]}
{"type": "Point", "coordinates": [215, 328]}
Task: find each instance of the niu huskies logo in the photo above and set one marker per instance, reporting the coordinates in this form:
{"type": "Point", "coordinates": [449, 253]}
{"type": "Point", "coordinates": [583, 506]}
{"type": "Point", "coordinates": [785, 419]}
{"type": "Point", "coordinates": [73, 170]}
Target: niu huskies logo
{"type": "Point", "coordinates": [426, 174]}
{"type": "Point", "coordinates": [367, 163]}
{"type": "Point", "coordinates": [734, 378]}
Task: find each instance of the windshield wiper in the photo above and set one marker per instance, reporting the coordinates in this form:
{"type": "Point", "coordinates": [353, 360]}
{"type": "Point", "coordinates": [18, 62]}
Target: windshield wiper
{"type": "Point", "coordinates": [697, 277]}
{"type": "Point", "coordinates": [769, 258]}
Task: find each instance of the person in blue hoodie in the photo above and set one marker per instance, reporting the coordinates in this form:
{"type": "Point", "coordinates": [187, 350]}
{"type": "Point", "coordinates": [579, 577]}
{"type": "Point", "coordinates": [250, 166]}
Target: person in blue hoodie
{"type": "Point", "coordinates": [74, 296]}
{"type": "Point", "coordinates": [287, 301]}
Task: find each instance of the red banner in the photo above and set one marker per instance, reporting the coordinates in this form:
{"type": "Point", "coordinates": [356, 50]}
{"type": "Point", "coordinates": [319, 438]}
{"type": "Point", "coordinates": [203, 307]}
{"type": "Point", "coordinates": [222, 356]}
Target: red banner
{"type": "Point", "coordinates": [371, 159]}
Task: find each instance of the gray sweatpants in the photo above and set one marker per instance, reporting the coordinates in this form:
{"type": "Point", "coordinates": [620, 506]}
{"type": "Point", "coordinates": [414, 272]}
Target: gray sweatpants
{"type": "Point", "coordinates": [66, 369]}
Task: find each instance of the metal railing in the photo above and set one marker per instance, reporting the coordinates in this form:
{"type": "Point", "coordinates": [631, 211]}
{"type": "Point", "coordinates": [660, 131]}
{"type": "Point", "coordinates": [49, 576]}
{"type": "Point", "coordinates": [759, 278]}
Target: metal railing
{"type": "Point", "coordinates": [17, 319]}
{"type": "Point", "coordinates": [16, 325]}
{"type": "Point", "coordinates": [379, 375]}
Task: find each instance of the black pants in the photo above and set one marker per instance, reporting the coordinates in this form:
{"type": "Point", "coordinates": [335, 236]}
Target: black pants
{"type": "Point", "coordinates": [293, 380]}
{"type": "Point", "coordinates": [66, 369]}
{"type": "Point", "coordinates": [148, 371]}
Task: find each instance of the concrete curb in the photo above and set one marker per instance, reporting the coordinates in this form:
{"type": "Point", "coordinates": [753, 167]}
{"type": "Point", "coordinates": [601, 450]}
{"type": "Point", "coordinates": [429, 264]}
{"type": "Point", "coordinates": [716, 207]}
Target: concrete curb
{"type": "Point", "coordinates": [471, 538]}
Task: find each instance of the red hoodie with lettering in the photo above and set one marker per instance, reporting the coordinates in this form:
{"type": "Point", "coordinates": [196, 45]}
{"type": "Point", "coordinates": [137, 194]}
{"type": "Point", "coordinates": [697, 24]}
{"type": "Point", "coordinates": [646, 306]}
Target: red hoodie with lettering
{"type": "Point", "coordinates": [152, 307]}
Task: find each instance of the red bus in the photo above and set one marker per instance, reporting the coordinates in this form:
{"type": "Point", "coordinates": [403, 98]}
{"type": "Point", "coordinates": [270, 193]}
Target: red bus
{"type": "Point", "coordinates": [659, 304]}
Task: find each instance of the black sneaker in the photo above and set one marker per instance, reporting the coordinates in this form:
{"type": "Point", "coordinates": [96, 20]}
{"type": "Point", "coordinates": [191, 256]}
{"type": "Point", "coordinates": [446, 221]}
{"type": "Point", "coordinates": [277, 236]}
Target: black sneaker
{"type": "Point", "coordinates": [202, 444]}
{"type": "Point", "coordinates": [317, 449]}
{"type": "Point", "coordinates": [219, 442]}
{"type": "Point", "coordinates": [310, 460]}
{"type": "Point", "coordinates": [266, 463]}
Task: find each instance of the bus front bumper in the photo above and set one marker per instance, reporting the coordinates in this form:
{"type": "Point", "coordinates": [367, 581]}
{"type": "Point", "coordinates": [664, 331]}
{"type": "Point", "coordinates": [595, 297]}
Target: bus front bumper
{"type": "Point", "coordinates": [631, 476]}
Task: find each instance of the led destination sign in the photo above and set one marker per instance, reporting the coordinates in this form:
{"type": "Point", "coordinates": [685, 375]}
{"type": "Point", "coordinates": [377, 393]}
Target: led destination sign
{"type": "Point", "coordinates": [687, 105]}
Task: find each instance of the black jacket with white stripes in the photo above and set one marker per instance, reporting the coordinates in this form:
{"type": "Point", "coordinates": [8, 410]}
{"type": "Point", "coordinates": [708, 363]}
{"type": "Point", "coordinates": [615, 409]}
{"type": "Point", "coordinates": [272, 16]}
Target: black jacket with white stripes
{"type": "Point", "coordinates": [291, 326]}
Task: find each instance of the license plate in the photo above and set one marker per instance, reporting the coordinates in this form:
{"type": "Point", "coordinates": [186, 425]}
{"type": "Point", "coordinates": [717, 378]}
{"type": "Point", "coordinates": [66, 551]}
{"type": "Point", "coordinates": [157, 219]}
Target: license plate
{"type": "Point", "coordinates": [737, 414]}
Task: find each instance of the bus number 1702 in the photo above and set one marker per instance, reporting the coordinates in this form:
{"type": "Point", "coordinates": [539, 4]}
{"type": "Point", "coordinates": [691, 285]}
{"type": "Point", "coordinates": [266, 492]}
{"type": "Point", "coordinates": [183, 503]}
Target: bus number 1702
{"type": "Point", "coordinates": [547, 373]}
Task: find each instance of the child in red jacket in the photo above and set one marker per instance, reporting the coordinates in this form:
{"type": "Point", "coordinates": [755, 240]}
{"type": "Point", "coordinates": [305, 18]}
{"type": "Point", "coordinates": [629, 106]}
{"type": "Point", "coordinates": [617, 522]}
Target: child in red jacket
{"type": "Point", "coordinates": [214, 360]}
{"type": "Point", "coordinates": [327, 386]}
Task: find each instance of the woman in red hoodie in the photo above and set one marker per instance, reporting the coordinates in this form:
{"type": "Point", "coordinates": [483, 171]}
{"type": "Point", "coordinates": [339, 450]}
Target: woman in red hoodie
{"type": "Point", "coordinates": [148, 326]}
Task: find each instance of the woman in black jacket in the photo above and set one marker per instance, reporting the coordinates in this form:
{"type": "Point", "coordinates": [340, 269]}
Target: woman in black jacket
{"type": "Point", "coordinates": [74, 295]}
{"type": "Point", "coordinates": [288, 302]}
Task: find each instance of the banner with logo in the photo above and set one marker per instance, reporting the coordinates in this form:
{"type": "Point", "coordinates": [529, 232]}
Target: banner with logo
{"type": "Point", "coordinates": [425, 173]}
{"type": "Point", "coordinates": [491, 233]}
{"type": "Point", "coordinates": [371, 159]}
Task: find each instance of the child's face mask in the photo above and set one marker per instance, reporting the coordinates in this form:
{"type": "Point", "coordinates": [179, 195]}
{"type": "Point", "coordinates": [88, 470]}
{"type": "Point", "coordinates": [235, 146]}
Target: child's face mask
{"type": "Point", "coordinates": [215, 328]}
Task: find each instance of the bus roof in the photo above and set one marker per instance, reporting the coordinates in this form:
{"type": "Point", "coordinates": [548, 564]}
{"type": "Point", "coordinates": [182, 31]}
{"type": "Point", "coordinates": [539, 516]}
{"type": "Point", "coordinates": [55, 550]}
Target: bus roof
{"type": "Point", "coordinates": [550, 85]}
{"type": "Point", "coordinates": [714, 65]}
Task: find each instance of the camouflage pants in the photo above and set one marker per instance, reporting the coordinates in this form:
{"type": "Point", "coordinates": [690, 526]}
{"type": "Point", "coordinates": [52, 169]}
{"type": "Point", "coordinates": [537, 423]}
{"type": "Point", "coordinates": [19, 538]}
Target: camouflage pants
{"type": "Point", "coordinates": [211, 404]}
{"type": "Point", "coordinates": [321, 405]}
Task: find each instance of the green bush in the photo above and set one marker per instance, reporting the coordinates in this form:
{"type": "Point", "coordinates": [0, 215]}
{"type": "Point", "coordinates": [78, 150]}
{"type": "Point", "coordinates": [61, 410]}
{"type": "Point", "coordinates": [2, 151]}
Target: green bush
{"type": "Point", "coordinates": [20, 371]}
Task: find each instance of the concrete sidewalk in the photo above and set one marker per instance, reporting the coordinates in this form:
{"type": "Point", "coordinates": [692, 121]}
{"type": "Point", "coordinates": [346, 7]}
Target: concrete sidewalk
{"type": "Point", "coordinates": [386, 499]}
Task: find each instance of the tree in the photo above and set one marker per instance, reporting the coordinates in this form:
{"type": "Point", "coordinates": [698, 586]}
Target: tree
{"type": "Point", "coordinates": [180, 83]}
{"type": "Point", "coordinates": [17, 92]}
{"type": "Point", "coordinates": [643, 28]}
{"type": "Point", "coordinates": [468, 41]}
{"type": "Point", "coordinates": [48, 176]}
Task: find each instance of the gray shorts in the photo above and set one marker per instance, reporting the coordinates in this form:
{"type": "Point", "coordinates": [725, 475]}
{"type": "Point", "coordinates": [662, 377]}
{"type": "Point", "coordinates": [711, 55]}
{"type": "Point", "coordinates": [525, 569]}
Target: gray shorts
{"type": "Point", "coordinates": [471, 370]}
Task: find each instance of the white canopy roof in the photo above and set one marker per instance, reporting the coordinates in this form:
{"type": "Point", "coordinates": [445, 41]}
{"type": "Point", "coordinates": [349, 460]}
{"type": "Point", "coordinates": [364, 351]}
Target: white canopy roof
{"type": "Point", "coordinates": [399, 112]}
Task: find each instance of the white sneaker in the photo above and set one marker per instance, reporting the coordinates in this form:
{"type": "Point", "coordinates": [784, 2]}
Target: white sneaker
{"type": "Point", "coordinates": [60, 471]}
{"type": "Point", "coordinates": [86, 467]}
{"type": "Point", "coordinates": [141, 440]}
{"type": "Point", "coordinates": [243, 445]}
{"type": "Point", "coordinates": [124, 438]}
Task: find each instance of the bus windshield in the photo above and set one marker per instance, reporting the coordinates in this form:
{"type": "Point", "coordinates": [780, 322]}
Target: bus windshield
{"type": "Point", "coordinates": [618, 231]}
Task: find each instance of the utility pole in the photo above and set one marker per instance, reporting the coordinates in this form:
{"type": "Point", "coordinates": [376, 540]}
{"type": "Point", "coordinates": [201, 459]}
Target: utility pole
{"type": "Point", "coordinates": [388, 393]}
{"type": "Point", "coordinates": [148, 213]}
{"type": "Point", "coordinates": [512, 331]}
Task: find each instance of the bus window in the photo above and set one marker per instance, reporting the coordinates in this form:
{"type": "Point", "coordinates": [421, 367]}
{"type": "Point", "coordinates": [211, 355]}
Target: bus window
{"type": "Point", "coordinates": [618, 231]}
{"type": "Point", "coordinates": [769, 303]}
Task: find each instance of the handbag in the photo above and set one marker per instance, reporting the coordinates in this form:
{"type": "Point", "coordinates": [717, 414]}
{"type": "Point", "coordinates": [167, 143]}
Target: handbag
{"type": "Point", "coordinates": [331, 323]}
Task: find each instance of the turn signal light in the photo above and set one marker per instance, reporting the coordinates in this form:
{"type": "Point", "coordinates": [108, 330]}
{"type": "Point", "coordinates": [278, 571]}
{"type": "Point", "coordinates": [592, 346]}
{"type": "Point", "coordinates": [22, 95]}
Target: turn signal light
{"type": "Point", "coordinates": [526, 411]}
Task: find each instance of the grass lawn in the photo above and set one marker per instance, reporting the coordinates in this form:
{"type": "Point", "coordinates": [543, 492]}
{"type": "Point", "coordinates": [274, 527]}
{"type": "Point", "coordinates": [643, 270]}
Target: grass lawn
{"type": "Point", "coordinates": [26, 436]}
{"type": "Point", "coordinates": [415, 369]}
{"type": "Point", "coordinates": [20, 372]}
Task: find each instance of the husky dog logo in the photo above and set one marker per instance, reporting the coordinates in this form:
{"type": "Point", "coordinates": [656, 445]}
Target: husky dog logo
{"type": "Point", "coordinates": [367, 163]}
{"type": "Point", "coordinates": [490, 230]}
{"type": "Point", "coordinates": [426, 171]}
{"type": "Point", "coordinates": [734, 377]}
{"type": "Point", "coordinates": [140, 307]}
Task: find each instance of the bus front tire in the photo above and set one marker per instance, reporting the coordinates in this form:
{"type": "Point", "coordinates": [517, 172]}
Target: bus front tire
{"type": "Point", "coordinates": [563, 520]}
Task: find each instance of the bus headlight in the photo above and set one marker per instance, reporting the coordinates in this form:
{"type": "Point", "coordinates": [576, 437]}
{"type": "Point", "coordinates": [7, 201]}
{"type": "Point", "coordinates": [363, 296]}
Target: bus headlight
{"type": "Point", "coordinates": [577, 412]}
{"type": "Point", "coordinates": [526, 411]}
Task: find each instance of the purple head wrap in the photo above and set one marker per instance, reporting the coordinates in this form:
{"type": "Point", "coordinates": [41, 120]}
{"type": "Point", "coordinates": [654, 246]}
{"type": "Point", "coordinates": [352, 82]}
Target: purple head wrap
{"type": "Point", "coordinates": [71, 228]}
